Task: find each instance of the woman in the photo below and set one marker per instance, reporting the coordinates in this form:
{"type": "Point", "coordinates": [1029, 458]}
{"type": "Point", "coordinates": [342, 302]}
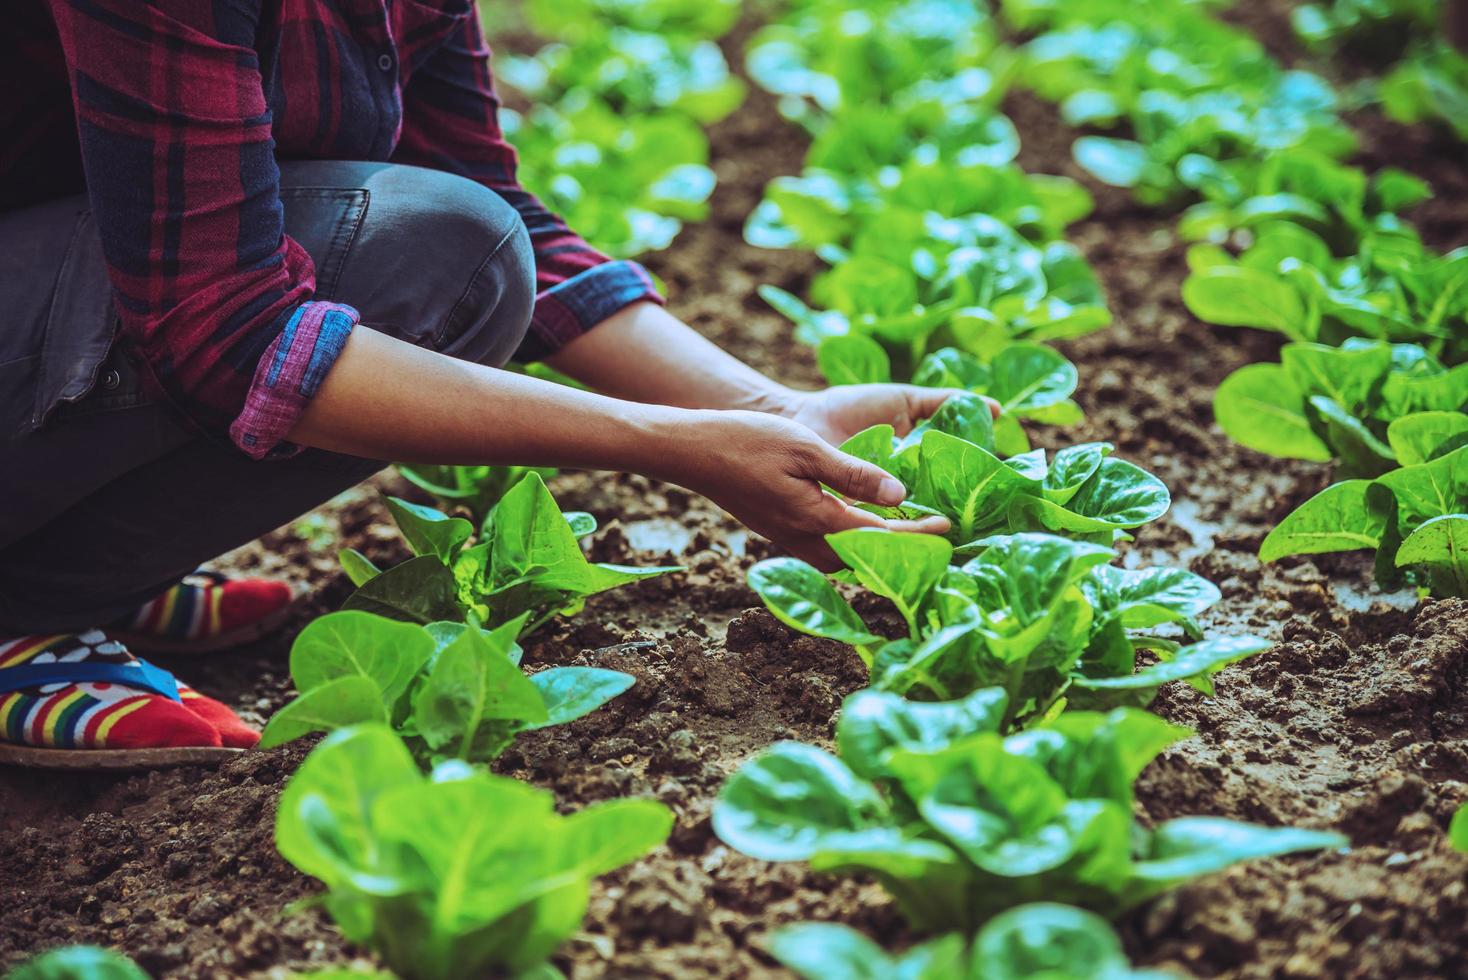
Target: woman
{"type": "Point", "coordinates": [250, 249]}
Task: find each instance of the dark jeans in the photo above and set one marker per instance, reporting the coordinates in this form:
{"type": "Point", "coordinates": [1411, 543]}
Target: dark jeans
{"type": "Point", "coordinates": [106, 496]}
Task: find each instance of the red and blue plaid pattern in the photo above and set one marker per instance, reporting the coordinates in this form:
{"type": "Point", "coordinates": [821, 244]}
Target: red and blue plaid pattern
{"type": "Point", "coordinates": [177, 110]}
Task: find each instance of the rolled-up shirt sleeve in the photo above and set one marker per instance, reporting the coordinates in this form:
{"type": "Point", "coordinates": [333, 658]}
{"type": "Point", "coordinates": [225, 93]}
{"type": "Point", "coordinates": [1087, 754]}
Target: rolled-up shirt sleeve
{"type": "Point", "coordinates": [450, 123]}
{"type": "Point", "coordinates": [216, 302]}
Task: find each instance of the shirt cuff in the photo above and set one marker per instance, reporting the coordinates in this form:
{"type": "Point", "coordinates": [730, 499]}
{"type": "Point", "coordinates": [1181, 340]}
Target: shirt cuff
{"type": "Point", "coordinates": [571, 308]}
{"type": "Point", "coordinates": [289, 372]}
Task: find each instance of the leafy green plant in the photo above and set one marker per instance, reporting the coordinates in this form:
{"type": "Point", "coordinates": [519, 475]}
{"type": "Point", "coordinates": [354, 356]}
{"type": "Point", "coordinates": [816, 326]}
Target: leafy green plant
{"type": "Point", "coordinates": [582, 20]}
{"type": "Point", "coordinates": [78, 963]}
{"type": "Point", "coordinates": [475, 488]}
{"type": "Point", "coordinates": [1037, 940]}
{"type": "Point", "coordinates": [1414, 518]}
{"type": "Point", "coordinates": [826, 57]}
{"type": "Point", "coordinates": [1185, 84]}
{"type": "Point", "coordinates": [451, 691]}
{"type": "Point", "coordinates": [1336, 201]}
{"type": "Point", "coordinates": [913, 212]}
{"type": "Point", "coordinates": [626, 183]}
{"type": "Point", "coordinates": [1370, 404]}
{"type": "Point", "coordinates": [632, 72]}
{"type": "Point", "coordinates": [1374, 30]}
{"type": "Point", "coordinates": [526, 564]}
{"type": "Point", "coordinates": [1430, 86]}
{"type": "Point", "coordinates": [981, 291]}
{"type": "Point", "coordinates": [949, 466]}
{"type": "Point", "coordinates": [959, 823]}
{"type": "Point", "coordinates": [458, 874]}
{"type": "Point", "coordinates": [1394, 289]}
{"type": "Point", "coordinates": [1458, 831]}
{"type": "Point", "coordinates": [1037, 617]}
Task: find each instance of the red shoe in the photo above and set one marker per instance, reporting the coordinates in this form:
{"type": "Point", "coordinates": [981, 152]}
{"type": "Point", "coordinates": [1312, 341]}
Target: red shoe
{"type": "Point", "coordinates": [205, 612]}
{"type": "Point", "coordinates": [82, 701]}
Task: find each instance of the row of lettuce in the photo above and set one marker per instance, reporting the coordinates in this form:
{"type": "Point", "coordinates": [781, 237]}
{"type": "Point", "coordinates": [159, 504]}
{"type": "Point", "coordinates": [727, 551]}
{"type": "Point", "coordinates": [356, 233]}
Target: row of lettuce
{"type": "Point", "coordinates": [1291, 238]}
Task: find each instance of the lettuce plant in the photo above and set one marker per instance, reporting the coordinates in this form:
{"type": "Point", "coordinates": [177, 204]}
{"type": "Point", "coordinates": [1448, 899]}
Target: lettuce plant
{"type": "Point", "coordinates": [1370, 404]}
{"type": "Point", "coordinates": [78, 963]}
{"type": "Point", "coordinates": [1194, 93]}
{"type": "Point", "coordinates": [1430, 86]}
{"type": "Point", "coordinates": [626, 183]}
{"type": "Point", "coordinates": [959, 823]}
{"type": "Point", "coordinates": [921, 205]}
{"type": "Point", "coordinates": [1336, 201]}
{"type": "Point", "coordinates": [1393, 289]}
{"type": "Point", "coordinates": [583, 20]}
{"type": "Point", "coordinates": [475, 488]}
{"type": "Point", "coordinates": [1414, 518]}
{"type": "Point", "coordinates": [949, 466]}
{"type": "Point", "coordinates": [1038, 617]}
{"type": "Point", "coordinates": [526, 563]}
{"type": "Point", "coordinates": [452, 691]}
{"type": "Point", "coordinates": [1041, 939]}
{"type": "Point", "coordinates": [458, 874]}
{"type": "Point", "coordinates": [827, 57]}
{"type": "Point", "coordinates": [632, 72]}
{"type": "Point", "coordinates": [980, 291]}
{"type": "Point", "coordinates": [1378, 31]}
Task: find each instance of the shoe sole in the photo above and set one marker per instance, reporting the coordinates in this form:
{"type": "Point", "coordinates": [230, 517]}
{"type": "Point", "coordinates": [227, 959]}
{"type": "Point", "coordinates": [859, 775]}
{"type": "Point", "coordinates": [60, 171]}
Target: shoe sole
{"type": "Point", "coordinates": [115, 760]}
{"type": "Point", "coordinates": [249, 633]}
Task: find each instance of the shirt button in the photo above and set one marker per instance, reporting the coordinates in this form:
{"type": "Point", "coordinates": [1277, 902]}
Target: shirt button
{"type": "Point", "coordinates": [384, 61]}
{"type": "Point", "coordinates": [111, 380]}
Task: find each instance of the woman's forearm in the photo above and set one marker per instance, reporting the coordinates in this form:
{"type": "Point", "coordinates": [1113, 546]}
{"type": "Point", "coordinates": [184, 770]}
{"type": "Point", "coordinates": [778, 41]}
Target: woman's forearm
{"type": "Point", "coordinates": [644, 353]}
{"type": "Point", "coordinates": [387, 399]}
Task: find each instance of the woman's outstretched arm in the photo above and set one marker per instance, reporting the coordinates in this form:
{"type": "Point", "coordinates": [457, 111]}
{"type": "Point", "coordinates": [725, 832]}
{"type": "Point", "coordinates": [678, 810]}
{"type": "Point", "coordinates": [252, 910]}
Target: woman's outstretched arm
{"type": "Point", "coordinates": [387, 399]}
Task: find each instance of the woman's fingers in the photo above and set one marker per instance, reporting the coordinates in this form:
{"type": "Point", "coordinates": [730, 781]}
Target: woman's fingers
{"type": "Point", "coordinates": [923, 402]}
{"type": "Point", "coordinates": [855, 479]}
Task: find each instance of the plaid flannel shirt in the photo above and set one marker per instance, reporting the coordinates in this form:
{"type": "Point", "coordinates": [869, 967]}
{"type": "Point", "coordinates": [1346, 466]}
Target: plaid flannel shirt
{"type": "Point", "coordinates": [173, 113]}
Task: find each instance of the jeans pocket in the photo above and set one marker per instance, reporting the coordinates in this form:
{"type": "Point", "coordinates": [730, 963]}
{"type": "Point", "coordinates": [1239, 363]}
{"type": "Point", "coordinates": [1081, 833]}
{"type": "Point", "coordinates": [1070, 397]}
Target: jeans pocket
{"type": "Point", "coordinates": [60, 318]}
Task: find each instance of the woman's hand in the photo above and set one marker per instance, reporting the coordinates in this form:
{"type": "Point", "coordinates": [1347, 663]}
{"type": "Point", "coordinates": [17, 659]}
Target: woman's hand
{"type": "Point", "coordinates": [768, 473]}
{"type": "Point", "coordinates": [837, 414]}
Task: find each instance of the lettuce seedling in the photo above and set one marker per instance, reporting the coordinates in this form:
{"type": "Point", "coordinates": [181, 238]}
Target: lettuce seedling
{"type": "Point", "coordinates": [1394, 289]}
{"type": "Point", "coordinates": [1298, 188]}
{"type": "Point", "coordinates": [459, 874]}
{"type": "Point", "coordinates": [1037, 940]}
{"type": "Point", "coordinates": [526, 562]}
{"type": "Point", "coordinates": [626, 182]}
{"type": "Point", "coordinates": [979, 288]}
{"type": "Point", "coordinates": [577, 21]}
{"type": "Point", "coordinates": [78, 963]}
{"type": "Point", "coordinates": [451, 691]}
{"type": "Point", "coordinates": [1414, 518]}
{"type": "Point", "coordinates": [949, 466]}
{"type": "Point", "coordinates": [1037, 616]}
{"type": "Point", "coordinates": [1430, 86]}
{"type": "Point", "coordinates": [824, 59]}
{"type": "Point", "coordinates": [1377, 31]}
{"type": "Point", "coordinates": [1195, 93]}
{"type": "Point", "coordinates": [1370, 404]}
{"type": "Point", "coordinates": [631, 71]}
{"type": "Point", "coordinates": [959, 823]}
{"type": "Point", "coordinates": [919, 205]}
{"type": "Point", "coordinates": [475, 488]}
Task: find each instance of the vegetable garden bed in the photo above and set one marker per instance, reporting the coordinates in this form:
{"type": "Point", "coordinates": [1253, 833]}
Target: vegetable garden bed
{"type": "Point", "coordinates": [1356, 720]}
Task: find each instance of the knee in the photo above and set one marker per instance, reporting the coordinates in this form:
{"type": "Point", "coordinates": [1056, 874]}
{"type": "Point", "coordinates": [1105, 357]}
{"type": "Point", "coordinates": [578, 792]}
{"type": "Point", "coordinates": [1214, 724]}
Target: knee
{"type": "Point", "coordinates": [437, 260]}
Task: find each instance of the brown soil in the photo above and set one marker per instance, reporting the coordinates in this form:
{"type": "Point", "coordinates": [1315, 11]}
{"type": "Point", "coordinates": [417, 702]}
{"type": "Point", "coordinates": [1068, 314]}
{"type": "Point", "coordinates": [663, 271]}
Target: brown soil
{"type": "Point", "coordinates": [1356, 720]}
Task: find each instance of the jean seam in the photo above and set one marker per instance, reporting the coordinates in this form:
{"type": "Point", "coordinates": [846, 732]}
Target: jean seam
{"type": "Point", "coordinates": [469, 289]}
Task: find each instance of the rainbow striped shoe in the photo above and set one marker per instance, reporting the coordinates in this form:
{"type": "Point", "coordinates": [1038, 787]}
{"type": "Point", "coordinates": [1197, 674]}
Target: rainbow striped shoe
{"type": "Point", "coordinates": [82, 701]}
{"type": "Point", "coordinates": [207, 611]}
